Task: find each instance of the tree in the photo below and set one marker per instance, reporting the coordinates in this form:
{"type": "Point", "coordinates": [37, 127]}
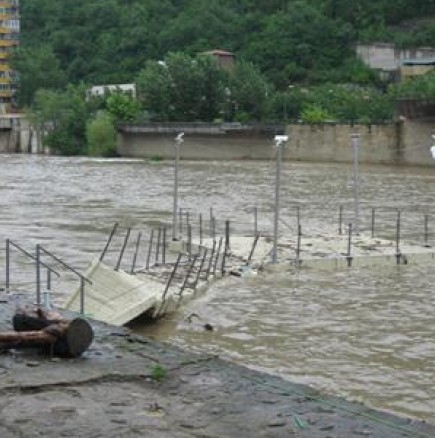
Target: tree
{"type": "Point", "coordinates": [122, 107]}
{"type": "Point", "coordinates": [62, 116]}
{"type": "Point", "coordinates": [182, 88]}
{"type": "Point", "coordinates": [101, 136]}
{"type": "Point", "coordinates": [37, 67]}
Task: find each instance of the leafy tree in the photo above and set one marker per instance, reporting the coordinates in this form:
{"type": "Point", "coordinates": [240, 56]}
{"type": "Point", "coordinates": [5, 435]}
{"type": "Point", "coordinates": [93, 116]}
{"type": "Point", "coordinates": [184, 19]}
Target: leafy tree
{"type": "Point", "coordinates": [62, 115]}
{"type": "Point", "coordinates": [182, 88]}
{"type": "Point", "coordinates": [123, 107]}
{"type": "Point", "coordinates": [38, 67]}
{"type": "Point", "coordinates": [101, 136]}
{"type": "Point", "coordinates": [248, 92]}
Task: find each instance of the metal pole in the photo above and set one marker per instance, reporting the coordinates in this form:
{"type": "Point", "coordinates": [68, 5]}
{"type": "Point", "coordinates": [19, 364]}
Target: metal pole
{"type": "Point", "coordinates": [217, 256]}
{"type": "Point", "coordinates": [82, 295]}
{"type": "Point", "coordinates": [133, 265]}
{"type": "Point", "coordinates": [349, 246]}
{"type": "Point", "coordinates": [298, 249]}
{"type": "Point", "coordinates": [38, 275]}
{"type": "Point", "coordinates": [180, 215]}
{"type": "Point", "coordinates": [426, 231]}
{"type": "Point", "coordinates": [200, 268]}
{"type": "Point", "coordinates": [168, 284]}
{"type": "Point", "coordinates": [189, 271]}
{"type": "Point", "coordinates": [251, 253]}
{"type": "Point", "coordinates": [150, 248]}
{"type": "Point", "coordinates": [109, 240]}
{"type": "Point", "coordinates": [278, 147]}
{"type": "Point", "coordinates": [210, 260]}
{"type": "Point", "coordinates": [398, 237]}
{"type": "Point", "coordinates": [189, 239]}
{"type": "Point", "coordinates": [356, 180]}
{"type": "Point", "coordinates": [159, 238]}
{"type": "Point", "coordinates": [164, 246]}
{"type": "Point", "coordinates": [227, 236]}
{"type": "Point", "coordinates": [177, 146]}
{"type": "Point", "coordinates": [298, 217]}
{"type": "Point", "coordinates": [213, 227]}
{"type": "Point", "coordinates": [340, 220]}
{"type": "Point", "coordinates": [7, 266]}
{"type": "Point", "coordinates": [121, 254]}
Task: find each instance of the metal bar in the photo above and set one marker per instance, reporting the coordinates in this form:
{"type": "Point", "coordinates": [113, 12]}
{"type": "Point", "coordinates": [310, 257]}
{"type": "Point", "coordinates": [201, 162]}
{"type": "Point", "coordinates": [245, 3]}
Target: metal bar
{"type": "Point", "coordinates": [159, 238]}
{"type": "Point", "coordinates": [109, 240]}
{"type": "Point", "coordinates": [254, 245]}
{"type": "Point", "coordinates": [225, 252]}
{"type": "Point", "coordinates": [340, 220]}
{"type": "Point", "coordinates": [217, 256]}
{"type": "Point", "coordinates": [356, 188]}
{"type": "Point", "coordinates": [298, 248]}
{"type": "Point", "coordinates": [121, 254]}
{"type": "Point", "coordinates": [175, 208]}
{"type": "Point", "coordinates": [426, 231]}
{"type": "Point", "coordinates": [38, 275]}
{"type": "Point", "coordinates": [46, 251]}
{"type": "Point", "coordinates": [164, 246]}
{"type": "Point", "coordinates": [227, 236]}
{"type": "Point", "coordinates": [398, 236]}
{"type": "Point", "coordinates": [82, 295]}
{"type": "Point", "coordinates": [210, 261]}
{"type": "Point", "coordinates": [349, 246]}
{"type": "Point", "coordinates": [181, 221]}
{"type": "Point", "coordinates": [276, 205]}
{"type": "Point", "coordinates": [298, 216]}
{"type": "Point", "coordinates": [189, 239]}
{"type": "Point", "coordinates": [168, 283]}
{"type": "Point", "coordinates": [150, 248]}
{"type": "Point", "coordinates": [200, 269]}
{"type": "Point", "coordinates": [48, 279]}
{"type": "Point", "coordinates": [186, 279]}
{"type": "Point", "coordinates": [32, 257]}
{"type": "Point", "coordinates": [133, 265]}
{"type": "Point", "coordinates": [8, 249]}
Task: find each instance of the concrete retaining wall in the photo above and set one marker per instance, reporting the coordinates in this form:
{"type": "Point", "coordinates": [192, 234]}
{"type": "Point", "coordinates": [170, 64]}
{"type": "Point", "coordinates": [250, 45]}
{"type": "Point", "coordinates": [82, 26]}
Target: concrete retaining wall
{"type": "Point", "coordinates": [404, 142]}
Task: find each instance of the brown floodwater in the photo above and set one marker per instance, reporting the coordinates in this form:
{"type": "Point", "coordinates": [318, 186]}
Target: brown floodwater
{"type": "Point", "coordinates": [366, 334]}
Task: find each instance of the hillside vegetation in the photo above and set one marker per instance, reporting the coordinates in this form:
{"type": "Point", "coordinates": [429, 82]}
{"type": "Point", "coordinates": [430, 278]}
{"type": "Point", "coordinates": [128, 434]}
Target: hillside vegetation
{"type": "Point", "coordinates": [295, 59]}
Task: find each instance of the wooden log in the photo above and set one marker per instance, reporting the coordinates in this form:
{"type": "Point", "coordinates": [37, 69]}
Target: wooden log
{"type": "Point", "coordinates": [53, 332]}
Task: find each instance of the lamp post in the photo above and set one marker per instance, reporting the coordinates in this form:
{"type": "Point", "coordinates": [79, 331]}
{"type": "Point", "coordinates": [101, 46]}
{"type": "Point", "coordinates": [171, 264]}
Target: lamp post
{"type": "Point", "coordinates": [356, 180]}
{"type": "Point", "coordinates": [177, 145]}
{"type": "Point", "coordinates": [280, 141]}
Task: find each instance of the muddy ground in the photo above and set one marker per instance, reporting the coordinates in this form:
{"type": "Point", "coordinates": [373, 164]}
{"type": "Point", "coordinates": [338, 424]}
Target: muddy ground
{"type": "Point", "coordinates": [129, 386]}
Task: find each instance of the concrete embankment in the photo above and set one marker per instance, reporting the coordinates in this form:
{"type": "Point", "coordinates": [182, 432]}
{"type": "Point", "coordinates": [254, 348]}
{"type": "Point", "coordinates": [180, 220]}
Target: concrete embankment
{"type": "Point", "coordinates": [405, 142]}
{"type": "Point", "coordinates": [126, 386]}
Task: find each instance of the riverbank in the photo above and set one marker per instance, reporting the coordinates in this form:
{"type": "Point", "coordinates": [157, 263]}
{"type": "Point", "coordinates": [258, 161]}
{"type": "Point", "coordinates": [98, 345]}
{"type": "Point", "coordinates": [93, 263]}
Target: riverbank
{"type": "Point", "coordinates": [126, 385]}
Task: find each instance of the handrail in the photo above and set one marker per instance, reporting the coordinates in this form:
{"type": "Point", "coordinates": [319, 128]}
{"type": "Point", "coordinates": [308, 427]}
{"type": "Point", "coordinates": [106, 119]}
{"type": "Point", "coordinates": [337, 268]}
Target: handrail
{"type": "Point", "coordinates": [83, 279]}
{"type": "Point", "coordinates": [62, 263]}
{"type": "Point", "coordinates": [9, 243]}
{"type": "Point", "coordinates": [15, 245]}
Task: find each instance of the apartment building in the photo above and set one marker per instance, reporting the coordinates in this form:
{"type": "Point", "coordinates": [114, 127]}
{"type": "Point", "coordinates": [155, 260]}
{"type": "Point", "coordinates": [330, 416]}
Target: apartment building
{"type": "Point", "coordinates": [9, 40]}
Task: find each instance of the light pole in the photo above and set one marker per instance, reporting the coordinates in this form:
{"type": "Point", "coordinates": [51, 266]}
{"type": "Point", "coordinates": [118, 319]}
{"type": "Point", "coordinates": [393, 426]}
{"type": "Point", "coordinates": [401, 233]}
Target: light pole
{"type": "Point", "coordinates": [177, 145]}
{"type": "Point", "coordinates": [356, 180]}
{"type": "Point", "coordinates": [280, 141]}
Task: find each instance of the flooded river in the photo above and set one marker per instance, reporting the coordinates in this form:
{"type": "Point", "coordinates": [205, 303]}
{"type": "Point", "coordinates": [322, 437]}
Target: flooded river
{"type": "Point", "coordinates": [366, 334]}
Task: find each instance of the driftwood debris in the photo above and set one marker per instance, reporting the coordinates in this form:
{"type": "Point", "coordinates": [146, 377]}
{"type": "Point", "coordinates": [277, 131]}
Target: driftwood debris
{"type": "Point", "coordinates": [49, 330]}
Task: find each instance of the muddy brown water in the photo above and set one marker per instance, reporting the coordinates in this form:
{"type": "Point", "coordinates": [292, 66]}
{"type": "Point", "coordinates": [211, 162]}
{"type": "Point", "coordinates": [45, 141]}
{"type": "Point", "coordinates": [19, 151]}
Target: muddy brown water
{"type": "Point", "coordinates": [366, 334]}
